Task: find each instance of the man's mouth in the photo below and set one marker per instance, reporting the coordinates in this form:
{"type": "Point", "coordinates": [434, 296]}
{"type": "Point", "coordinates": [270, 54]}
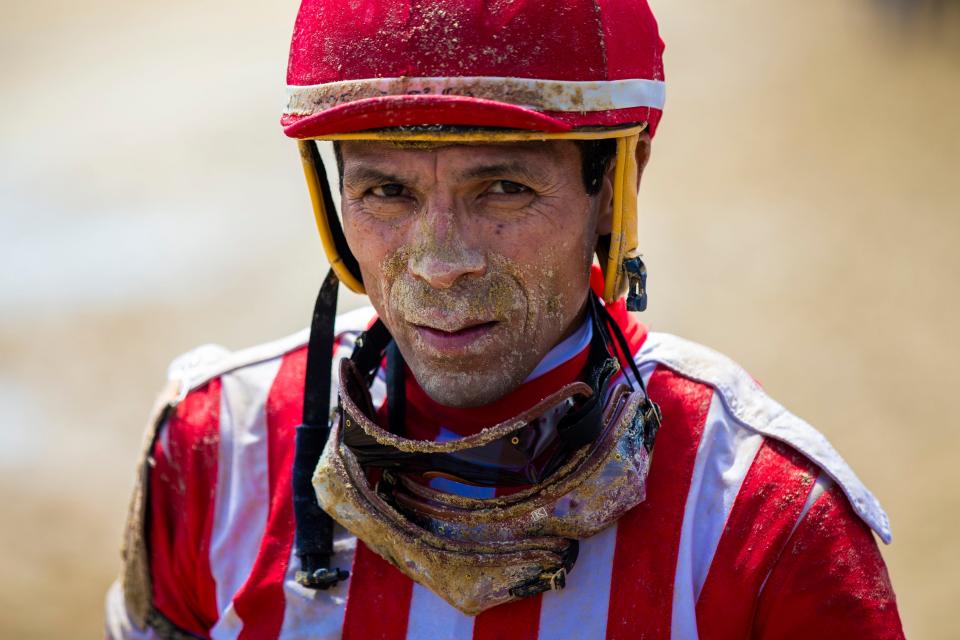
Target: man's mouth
{"type": "Point", "coordinates": [454, 339]}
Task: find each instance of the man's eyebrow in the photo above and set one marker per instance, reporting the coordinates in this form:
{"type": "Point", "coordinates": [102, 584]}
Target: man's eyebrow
{"type": "Point", "coordinates": [367, 174]}
{"type": "Point", "coordinates": [500, 169]}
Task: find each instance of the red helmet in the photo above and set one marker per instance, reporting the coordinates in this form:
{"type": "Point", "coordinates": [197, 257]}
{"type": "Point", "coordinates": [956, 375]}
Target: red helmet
{"type": "Point", "coordinates": [528, 69]}
{"type": "Point", "coordinates": [525, 64]}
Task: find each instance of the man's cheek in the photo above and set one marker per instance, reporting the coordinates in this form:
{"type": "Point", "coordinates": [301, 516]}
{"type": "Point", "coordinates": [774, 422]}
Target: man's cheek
{"type": "Point", "coordinates": [380, 298]}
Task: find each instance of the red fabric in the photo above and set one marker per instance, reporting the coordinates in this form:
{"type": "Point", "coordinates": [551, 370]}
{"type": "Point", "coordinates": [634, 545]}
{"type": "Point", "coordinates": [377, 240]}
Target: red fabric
{"type": "Point", "coordinates": [335, 40]}
{"type": "Point", "coordinates": [763, 516]}
{"type": "Point", "coordinates": [424, 415]}
{"type": "Point", "coordinates": [827, 580]}
{"type": "Point", "coordinates": [648, 536]}
{"type": "Point", "coordinates": [183, 483]}
{"type": "Point", "coordinates": [577, 40]}
{"type": "Point", "coordinates": [378, 600]}
{"type": "Point", "coordinates": [519, 619]}
{"type": "Point", "coordinates": [631, 40]}
{"type": "Point", "coordinates": [830, 581]}
{"type": "Point", "coordinates": [260, 601]}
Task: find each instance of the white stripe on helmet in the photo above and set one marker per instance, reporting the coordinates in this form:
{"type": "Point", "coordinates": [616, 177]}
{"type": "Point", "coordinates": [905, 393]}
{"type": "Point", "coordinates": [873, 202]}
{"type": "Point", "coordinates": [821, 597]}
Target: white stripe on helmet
{"type": "Point", "coordinates": [531, 93]}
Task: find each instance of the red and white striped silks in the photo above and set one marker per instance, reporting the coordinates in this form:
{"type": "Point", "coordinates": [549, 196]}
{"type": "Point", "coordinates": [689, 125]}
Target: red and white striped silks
{"type": "Point", "coordinates": [753, 525]}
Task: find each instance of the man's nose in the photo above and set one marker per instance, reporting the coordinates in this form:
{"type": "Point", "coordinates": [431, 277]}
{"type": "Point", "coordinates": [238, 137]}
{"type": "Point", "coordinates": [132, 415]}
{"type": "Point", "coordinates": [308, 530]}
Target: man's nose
{"type": "Point", "coordinates": [442, 256]}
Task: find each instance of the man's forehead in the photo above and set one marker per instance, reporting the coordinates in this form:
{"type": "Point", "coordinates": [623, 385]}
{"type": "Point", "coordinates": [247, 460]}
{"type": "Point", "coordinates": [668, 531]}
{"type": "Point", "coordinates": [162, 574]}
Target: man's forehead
{"type": "Point", "coordinates": [372, 149]}
{"type": "Point", "coordinates": [531, 161]}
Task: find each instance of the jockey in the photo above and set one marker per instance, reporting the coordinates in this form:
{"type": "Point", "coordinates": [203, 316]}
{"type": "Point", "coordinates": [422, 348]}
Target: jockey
{"type": "Point", "coordinates": [496, 447]}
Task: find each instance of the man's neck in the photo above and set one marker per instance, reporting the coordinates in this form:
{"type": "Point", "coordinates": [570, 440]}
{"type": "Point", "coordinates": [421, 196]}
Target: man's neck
{"type": "Point", "coordinates": [562, 365]}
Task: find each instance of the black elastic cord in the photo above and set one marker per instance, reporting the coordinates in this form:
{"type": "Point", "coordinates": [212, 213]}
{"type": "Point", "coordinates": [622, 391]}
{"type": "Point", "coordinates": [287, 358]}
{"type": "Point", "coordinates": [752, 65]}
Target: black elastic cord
{"type": "Point", "coordinates": [368, 349]}
{"type": "Point", "coordinates": [314, 528]}
{"type": "Point", "coordinates": [396, 393]}
{"type": "Point", "coordinates": [651, 414]}
{"type": "Point", "coordinates": [599, 325]}
{"type": "Point", "coordinates": [316, 398]}
{"type": "Point", "coordinates": [621, 341]}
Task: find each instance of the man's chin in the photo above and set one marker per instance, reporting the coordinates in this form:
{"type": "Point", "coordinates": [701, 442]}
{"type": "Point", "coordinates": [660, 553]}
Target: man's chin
{"type": "Point", "coordinates": [465, 389]}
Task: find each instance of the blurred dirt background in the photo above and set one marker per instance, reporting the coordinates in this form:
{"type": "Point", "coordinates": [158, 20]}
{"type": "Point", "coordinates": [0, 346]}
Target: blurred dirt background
{"type": "Point", "coordinates": [801, 213]}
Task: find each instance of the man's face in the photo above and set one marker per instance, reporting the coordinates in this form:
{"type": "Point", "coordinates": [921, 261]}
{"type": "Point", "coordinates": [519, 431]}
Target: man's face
{"type": "Point", "coordinates": [476, 257]}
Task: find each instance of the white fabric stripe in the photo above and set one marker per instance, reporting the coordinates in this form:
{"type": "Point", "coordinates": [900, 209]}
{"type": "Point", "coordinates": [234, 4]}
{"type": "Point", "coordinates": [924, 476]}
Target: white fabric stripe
{"type": "Point", "coordinates": [314, 614]}
{"type": "Point", "coordinates": [565, 350]}
{"type": "Point", "coordinates": [242, 495]}
{"type": "Point", "coordinates": [204, 363]}
{"type": "Point", "coordinates": [819, 487]}
{"type": "Point", "coordinates": [432, 617]}
{"type": "Point", "coordinates": [723, 461]}
{"type": "Point", "coordinates": [823, 483]}
{"type": "Point", "coordinates": [580, 610]}
{"type": "Point", "coordinates": [532, 93]}
{"type": "Point", "coordinates": [749, 405]}
{"type": "Point", "coordinates": [724, 456]}
{"type": "Point", "coordinates": [117, 622]}
{"type": "Point", "coordinates": [165, 438]}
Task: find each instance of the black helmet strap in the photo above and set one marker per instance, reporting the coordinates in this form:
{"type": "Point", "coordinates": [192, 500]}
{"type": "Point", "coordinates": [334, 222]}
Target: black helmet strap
{"type": "Point", "coordinates": [314, 532]}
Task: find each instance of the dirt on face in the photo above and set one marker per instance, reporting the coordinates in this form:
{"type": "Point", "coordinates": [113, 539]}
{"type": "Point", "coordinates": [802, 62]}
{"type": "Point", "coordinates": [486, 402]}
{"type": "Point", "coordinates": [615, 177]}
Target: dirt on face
{"type": "Point", "coordinates": [442, 261]}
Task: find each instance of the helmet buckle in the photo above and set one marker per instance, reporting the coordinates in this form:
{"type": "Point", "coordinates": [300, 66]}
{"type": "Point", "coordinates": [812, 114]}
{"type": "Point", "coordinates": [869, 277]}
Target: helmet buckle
{"type": "Point", "coordinates": [636, 274]}
{"type": "Point", "coordinates": [322, 578]}
{"type": "Point", "coordinates": [558, 580]}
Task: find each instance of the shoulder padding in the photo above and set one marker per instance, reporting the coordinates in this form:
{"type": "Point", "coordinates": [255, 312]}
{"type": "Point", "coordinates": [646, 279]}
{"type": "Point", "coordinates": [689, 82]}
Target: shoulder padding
{"type": "Point", "coordinates": [747, 403]}
{"type": "Point", "coordinates": [187, 373]}
{"type": "Point", "coordinates": [205, 363]}
{"type": "Point", "coordinates": [135, 574]}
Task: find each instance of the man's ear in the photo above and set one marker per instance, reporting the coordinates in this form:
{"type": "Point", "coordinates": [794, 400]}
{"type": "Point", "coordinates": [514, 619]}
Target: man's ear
{"type": "Point", "coordinates": [605, 195]}
{"type": "Point", "coordinates": [643, 154]}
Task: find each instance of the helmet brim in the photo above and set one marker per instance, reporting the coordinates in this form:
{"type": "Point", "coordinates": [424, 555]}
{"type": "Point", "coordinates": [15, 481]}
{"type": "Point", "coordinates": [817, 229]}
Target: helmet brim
{"type": "Point", "coordinates": [386, 112]}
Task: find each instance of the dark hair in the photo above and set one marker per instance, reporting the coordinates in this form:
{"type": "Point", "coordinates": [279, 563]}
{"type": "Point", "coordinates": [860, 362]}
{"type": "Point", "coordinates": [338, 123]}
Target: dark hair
{"type": "Point", "coordinates": [595, 156]}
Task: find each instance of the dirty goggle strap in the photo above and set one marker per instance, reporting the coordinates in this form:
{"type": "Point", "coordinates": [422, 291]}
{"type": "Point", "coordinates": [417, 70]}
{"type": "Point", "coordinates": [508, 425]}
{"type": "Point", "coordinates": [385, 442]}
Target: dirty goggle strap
{"type": "Point", "coordinates": [314, 528]}
{"type": "Point", "coordinates": [649, 410]}
{"type": "Point", "coordinates": [334, 241]}
{"type": "Point", "coordinates": [553, 579]}
{"type": "Point", "coordinates": [368, 350]}
{"type": "Point", "coordinates": [585, 424]}
{"type": "Point", "coordinates": [610, 332]}
{"type": "Point", "coordinates": [601, 325]}
{"type": "Point", "coordinates": [396, 391]}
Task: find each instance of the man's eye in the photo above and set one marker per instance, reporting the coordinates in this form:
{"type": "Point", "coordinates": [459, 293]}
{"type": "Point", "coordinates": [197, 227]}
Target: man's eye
{"type": "Point", "coordinates": [505, 186]}
{"type": "Point", "coordinates": [391, 190]}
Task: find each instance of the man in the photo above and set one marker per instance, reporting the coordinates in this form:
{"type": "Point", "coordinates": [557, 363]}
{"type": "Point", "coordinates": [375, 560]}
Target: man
{"type": "Point", "coordinates": [512, 454]}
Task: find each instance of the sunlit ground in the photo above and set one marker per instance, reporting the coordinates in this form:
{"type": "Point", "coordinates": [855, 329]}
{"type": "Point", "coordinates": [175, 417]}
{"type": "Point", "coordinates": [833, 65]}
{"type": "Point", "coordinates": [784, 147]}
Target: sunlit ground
{"type": "Point", "coordinates": [800, 214]}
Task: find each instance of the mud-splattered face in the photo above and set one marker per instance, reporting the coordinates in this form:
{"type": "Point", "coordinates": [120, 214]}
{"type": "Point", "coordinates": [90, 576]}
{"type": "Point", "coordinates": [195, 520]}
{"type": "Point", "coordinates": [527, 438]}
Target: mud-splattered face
{"type": "Point", "coordinates": [476, 257]}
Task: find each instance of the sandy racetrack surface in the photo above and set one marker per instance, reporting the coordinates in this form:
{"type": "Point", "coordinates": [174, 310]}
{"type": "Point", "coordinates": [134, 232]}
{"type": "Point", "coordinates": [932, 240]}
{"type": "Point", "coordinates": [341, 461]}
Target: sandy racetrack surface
{"type": "Point", "coordinates": [800, 214]}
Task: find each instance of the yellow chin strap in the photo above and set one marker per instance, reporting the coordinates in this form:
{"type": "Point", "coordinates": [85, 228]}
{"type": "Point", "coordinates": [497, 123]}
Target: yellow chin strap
{"type": "Point", "coordinates": [623, 236]}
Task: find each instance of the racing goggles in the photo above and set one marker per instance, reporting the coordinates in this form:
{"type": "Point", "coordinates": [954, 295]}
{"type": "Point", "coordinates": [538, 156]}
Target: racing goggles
{"type": "Point", "coordinates": [522, 451]}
